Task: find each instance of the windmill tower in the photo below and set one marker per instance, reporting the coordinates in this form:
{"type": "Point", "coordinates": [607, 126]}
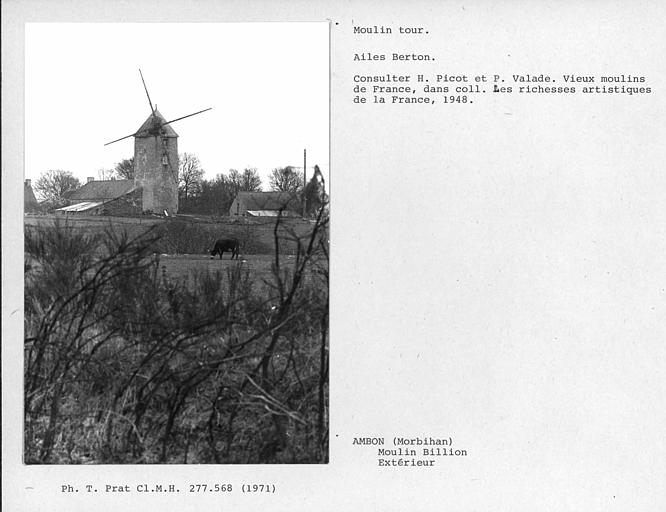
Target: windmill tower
{"type": "Point", "coordinates": [156, 164]}
{"type": "Point", "coordinates": [156, 160]}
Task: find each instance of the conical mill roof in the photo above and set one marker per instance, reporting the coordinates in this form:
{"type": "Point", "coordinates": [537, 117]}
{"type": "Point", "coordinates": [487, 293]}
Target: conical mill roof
{"type": "Point", "coordinates": [154, 118]}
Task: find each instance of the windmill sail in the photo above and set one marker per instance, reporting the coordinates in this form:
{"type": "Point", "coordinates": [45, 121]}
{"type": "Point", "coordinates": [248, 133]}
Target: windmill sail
{"type": "Point", "coordinates": [188, 115]}
{"type": "Point", "coordinates": [152, 109]}
{"type": "Point", "coordinates": [150, 127]}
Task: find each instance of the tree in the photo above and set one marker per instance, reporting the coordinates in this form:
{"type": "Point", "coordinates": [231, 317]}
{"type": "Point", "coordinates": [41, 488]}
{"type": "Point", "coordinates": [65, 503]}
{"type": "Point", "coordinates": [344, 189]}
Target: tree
{"type": "Point", "coordinates": [125, 169]}
{"type": "Point", "coordinates": [53, 186]}
{"type": "Point", "coordinates": [286, 179]}
{"type": "Point", "coordinates": [315, 193]}
{"type": "Point", "coordinates": [190, 175]}
{"type": "Point", "coordinates": [216, 196]}
{"type": "Point", "coordinates": [105, 174]}
{"type": "Point", "coordinates": [247, 181]}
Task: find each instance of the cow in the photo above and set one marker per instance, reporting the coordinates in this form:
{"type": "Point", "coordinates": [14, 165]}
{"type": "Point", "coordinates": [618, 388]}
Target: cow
{"type": "Point", "coordinates": [225, 244]}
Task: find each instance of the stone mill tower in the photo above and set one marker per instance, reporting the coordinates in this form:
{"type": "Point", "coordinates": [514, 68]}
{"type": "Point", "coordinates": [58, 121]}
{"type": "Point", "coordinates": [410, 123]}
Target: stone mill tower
{"type": "Point", "coordinates": [156, 165]}
{"type": "Point", "coordinates": [156, 160]}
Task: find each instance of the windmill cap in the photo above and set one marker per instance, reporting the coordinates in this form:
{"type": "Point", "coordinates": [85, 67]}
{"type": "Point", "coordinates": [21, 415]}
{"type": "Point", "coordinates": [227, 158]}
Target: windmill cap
{"type": "Point", "coordinates": [147, 126]}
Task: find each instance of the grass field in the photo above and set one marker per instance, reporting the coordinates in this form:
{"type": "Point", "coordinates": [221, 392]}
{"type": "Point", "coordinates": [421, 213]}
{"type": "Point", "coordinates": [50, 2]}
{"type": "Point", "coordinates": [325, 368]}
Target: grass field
{"type": "Point", "coordinates": [192, 235]}
{"type": "Point", "coordinates": [178, 266]}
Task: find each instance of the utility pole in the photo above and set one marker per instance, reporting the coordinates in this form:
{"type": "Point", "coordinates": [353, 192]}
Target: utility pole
{"type": "Point", "coordinates": [304, 181]}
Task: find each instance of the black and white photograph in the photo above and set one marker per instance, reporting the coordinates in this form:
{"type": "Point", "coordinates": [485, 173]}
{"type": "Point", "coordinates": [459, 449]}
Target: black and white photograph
{"type": "Point", "coordinates": [176, 243]}
{"type": "Point", "coordinates": [332, 256]}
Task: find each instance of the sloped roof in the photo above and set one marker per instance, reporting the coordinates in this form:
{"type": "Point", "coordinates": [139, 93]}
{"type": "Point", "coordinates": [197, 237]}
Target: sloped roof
{"type": "Point", "coordinates": [81, 207]}
{"type": "Point", "coordinates": [144, 130]}
{"type": "Point", "coordinates": [270, 213]}
{"type": "Point", "coordinates": [102, 190]}
{"type": "Point", "coordinates": [269, 200]}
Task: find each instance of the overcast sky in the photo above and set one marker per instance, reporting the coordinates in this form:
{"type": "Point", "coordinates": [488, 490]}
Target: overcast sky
{"type": "Point", "coordinates": [267, 84]}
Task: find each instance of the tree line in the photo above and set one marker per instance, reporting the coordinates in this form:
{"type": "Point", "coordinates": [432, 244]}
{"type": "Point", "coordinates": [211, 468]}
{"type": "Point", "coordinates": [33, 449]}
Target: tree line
{"type": "Point", "coordinates": [196, 193]}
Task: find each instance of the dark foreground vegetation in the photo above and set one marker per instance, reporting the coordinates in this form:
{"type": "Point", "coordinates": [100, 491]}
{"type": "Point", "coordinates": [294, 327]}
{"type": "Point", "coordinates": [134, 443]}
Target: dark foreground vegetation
{"type": "Point", "coordinates": [126, 365]}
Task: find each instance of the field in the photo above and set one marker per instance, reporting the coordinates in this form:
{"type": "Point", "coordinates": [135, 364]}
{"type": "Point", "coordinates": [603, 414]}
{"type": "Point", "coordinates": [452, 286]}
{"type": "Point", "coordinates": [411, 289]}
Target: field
{"type": "Point", "coordinates": [140, 348]}
{"type": "Point", "coordinates": [189, 234]}
{"type": "Point", "coordinates": [185, 240]}
{"type": "Point", "coordinates": [182, 266]}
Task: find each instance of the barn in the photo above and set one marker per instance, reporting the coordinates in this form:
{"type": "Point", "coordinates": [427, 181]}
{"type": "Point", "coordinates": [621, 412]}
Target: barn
{"type": "Point", "coordinates": [266, 204]}
{"type": "Point", "coordinates": [105, 197]}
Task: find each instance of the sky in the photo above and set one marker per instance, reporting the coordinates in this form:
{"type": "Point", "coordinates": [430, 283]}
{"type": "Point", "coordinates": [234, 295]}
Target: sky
{"type": "Point", "coordinates": [267, 85]}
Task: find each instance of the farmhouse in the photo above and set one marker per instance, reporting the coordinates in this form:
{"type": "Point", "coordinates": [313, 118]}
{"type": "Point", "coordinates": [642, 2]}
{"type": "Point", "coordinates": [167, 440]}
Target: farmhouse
{"type": "Point", "coordinates": [30, 203]}
{"type": "Point", "coordinates": [266, 204]}
{"type": "Point", "coordinates": [105, 197]}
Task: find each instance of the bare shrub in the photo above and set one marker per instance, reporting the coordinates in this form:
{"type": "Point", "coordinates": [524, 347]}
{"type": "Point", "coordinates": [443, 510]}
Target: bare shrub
{"type": "Point", "coordinates": [125, 365]}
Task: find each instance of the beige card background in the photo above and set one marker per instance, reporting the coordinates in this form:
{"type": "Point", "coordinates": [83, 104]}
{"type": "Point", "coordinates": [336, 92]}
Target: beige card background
{"type": "Point", "coordinates": [498, 269]}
